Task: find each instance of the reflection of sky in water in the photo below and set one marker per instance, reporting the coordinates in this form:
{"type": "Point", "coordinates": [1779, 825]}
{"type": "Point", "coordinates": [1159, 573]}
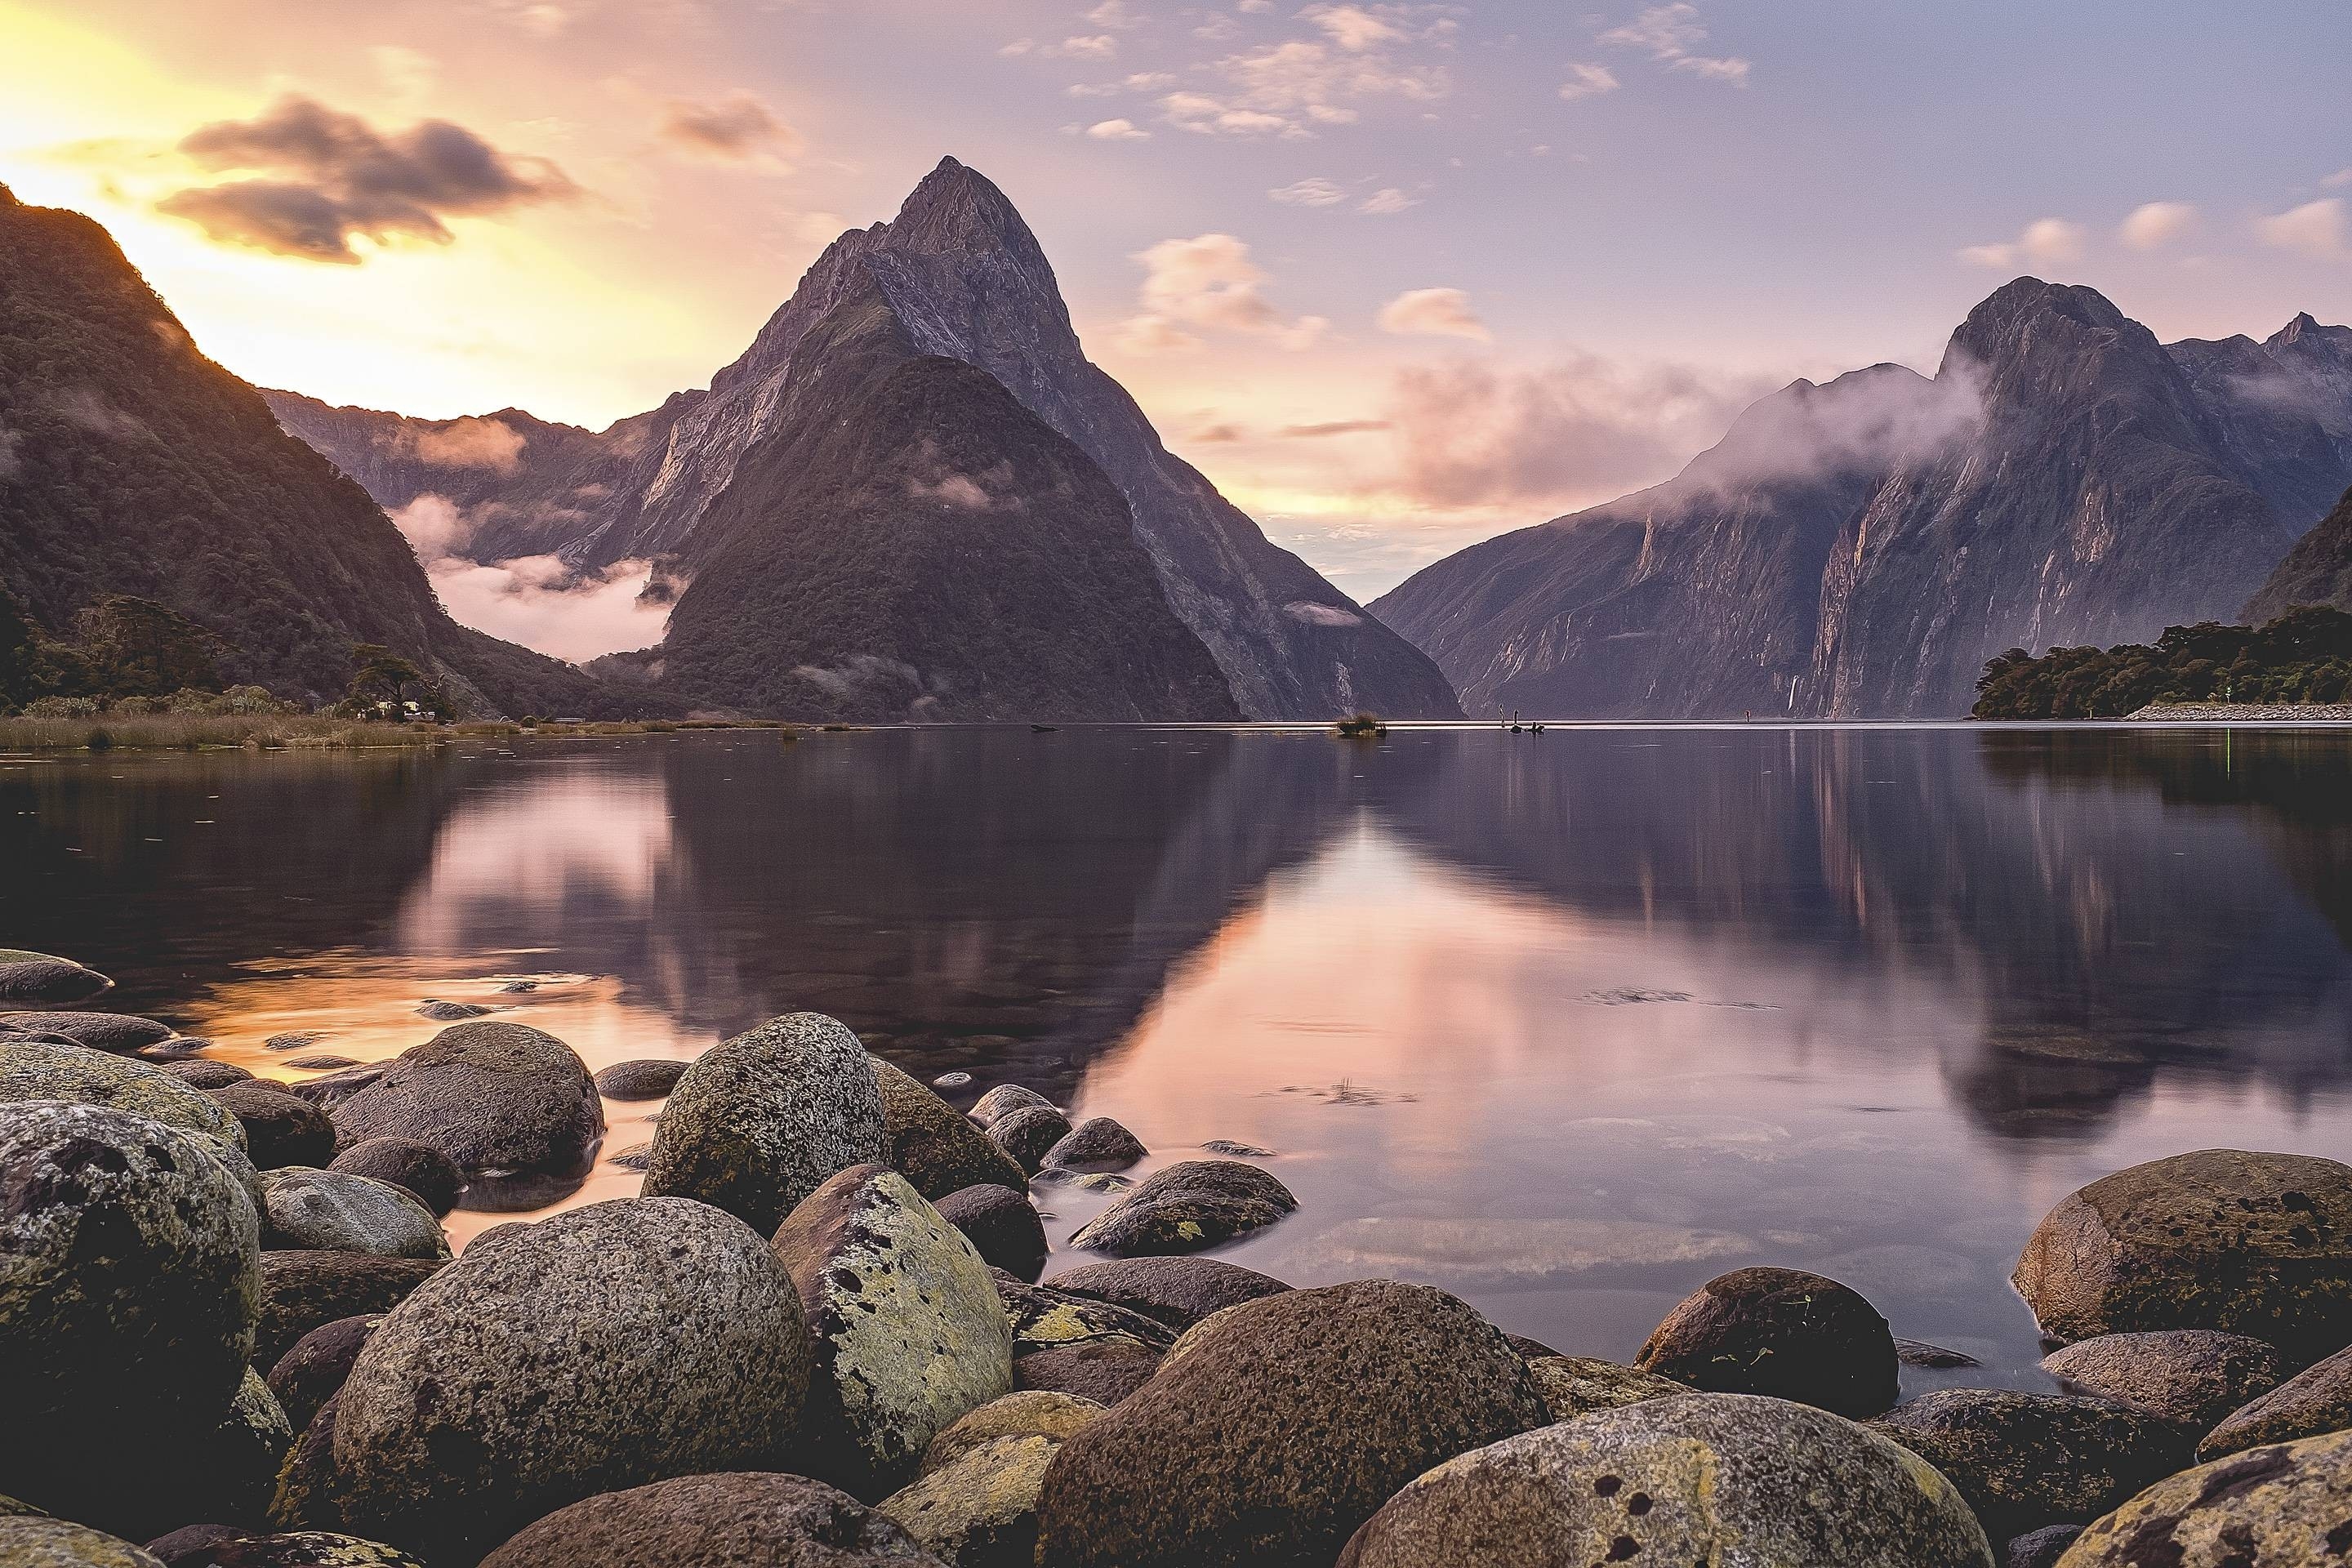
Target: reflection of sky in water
{"type": "Point", "coordinates": [1567, 1028]}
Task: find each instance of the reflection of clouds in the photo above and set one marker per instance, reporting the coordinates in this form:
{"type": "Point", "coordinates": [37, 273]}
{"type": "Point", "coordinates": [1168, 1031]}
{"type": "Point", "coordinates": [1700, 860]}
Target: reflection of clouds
{"type": "Point", "coordinates": [539, 847]}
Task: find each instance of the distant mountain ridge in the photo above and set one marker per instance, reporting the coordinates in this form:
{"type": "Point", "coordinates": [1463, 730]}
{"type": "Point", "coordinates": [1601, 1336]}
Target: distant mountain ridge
{"type": "Point", "coordinates": [1862, 549]}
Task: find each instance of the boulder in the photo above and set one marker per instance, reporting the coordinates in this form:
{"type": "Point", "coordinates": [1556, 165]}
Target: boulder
{"type": "Point", "coordinates": [303, 1291]}
{"type": "Point", "coordinates": [219, 1546]}
{"type": "Point", "coordinates": [204, 1072]}
{"type": "Point", "coordinates": [1098, 1143]}
{"type": "Point", "coordinates": [931, 1143]}
{"type": "Point", "coordinates": [2248, 1244]}
{"type": "Point", "coordinates": [1188, 1207]}
{"type": "Point", "coordinates": [1106, 1370]}
{"type": "Point", "coordinates": [1574, 1385]}
{"type": "Point", "coordinates": [117, 1032]}
{"type": "Point", "coordinates": [2026, 1462]}
{"type": "Point", "coordinates": [2316, 1400]}
{"type": "Point", "coordinates": [1700, 1477]}
{"type": "Point", "coordinates": [759, 1123]}
{"type": "Point", "coordinates": [1036, 1414]}
{"type": "Point", "coordinates": [28, 1541]}
{"type": "Point", "coordinates": [2040, 1548]}
{"type": "Point", "coordinates": [981, 1511]}
{"type": "Point", "coordinates": [44, 980]}
{"type": "Point", "coordinates": [2191, 1377]}
{"type": "Point", "coordinates": [1026, 1135]}
{"type": "Point", "coordinates": [1005, 1099]}
{"type": "Point", "coordinates": [280, 1129]}
{"type": "Point", "coordinates": [640, 1079]}
{"type": "Point", "coordinates": [30, 1070]}
{"type": "Point", "coordinates": [1782, 1333]}
{"type": "Point", "coordinates": [722, 1520]}
{"type": "Point", "coordinates": [309, 1495]}
{"type": "Point", "coordinates": [1045, 1317]}
{"type": "Point", "coordinates": [334, 1211]}
{"type": "Point", "coordinates": [910, 1334]}
{"type": "Point", "coordinates": [426, 1172]}
{"type": "Point", "coordinates": [1002, 1225]}
{"type": "Point", "coordinates": [2279, 1506]}
{"type": "Point", "coordinates": [1276, 1427]}
{"type": "Point", "coordinates": [490, 1097]}
{"type": "Point", "coordinates": [442, 1012]}
{"type": "Point", "coordinates": [613, 1346]}
{"type": "Point", "coordinates": [230, 1474]}
{"type": "Point", "coordinates": [337, 1087]}
{"type": "Point", "coordinates": [309, 1374]}
{"type": "Point", "coordinates": [1175, 1291]}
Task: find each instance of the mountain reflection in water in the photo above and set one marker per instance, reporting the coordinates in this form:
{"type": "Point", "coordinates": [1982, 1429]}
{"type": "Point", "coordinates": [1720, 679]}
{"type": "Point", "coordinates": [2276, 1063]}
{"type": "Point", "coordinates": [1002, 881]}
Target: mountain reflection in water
{"type": "Point", "coordinates": [1567, 1023]}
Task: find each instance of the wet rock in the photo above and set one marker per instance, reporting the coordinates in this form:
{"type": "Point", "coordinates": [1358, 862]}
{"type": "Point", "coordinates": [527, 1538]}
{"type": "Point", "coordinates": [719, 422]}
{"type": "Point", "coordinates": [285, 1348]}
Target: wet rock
{"type": "Point", "coordinates": [202, 1072]}
{"type": "Point", "coordinates": [1045, 1317]}
{"type": "Point", "coordinates": [31, 1542]}
{"type": "Point", "coordinates": [2041, 1549]}
{"type": "Point", "coordinates": [1782, 1333]}
{"type": "Point", "coordinates": [178, 1048]}
{"type": "Point", "coordinates": [417, 1168]}
{"type": "Point", "coordinates": [981, 1512]}
{"type": "Point", "coordinates": [1233, 1150]}
{"type": "Point", "coordinates": [44, 980]}
{"type": "Point", "coordinates": [2317, 1399]}
{"type": "Point", "coordinates": [1005, 1099]}
{"type": "Point", "coordinates": [910, 1334]}
{"type": "Point", "coordinates": [294, 1040]}
{"type": "Point", "coordinates": [759, 1123]}
{"type": "Point", "coordinates": [2025, 1461]}
{"type": "Point", "coordinates": [723, 1521]}
{"type": "Point", "coordinates": [490, 1097]}
{"type": "Point", "coordinates": [334, 1211]}
{"type": "Point", "coordinates": [337, 1087]}
{"type": "Point", "coordinates": [1026, 1135]}
{"type": "Point", "coordinates": [1098, 1143]}
{"type": "Point", "coordinates": [2245, 1243]}
{"type": "Point", "coordinates": [1508, 1254]}
{"type": "Point", "coordinates": [279, 1129]}
{"type": "Point", "coordinates": [323, 1063]}
{"type": "Point", "coordinates": [2191, 1377]}
{"type": "Point", "coordinates": [1033, 1414]}
{"type": "Point", "coordinates": [638, 1157]}
{"type": "Point", "coordinates": [617, 1344]}
{"type": "Point", "coordinates": [931, 1143]}
{"type": "Point", "coordinates": [217, 1546]}
{"type": "Point", "coordinates": [1936, 1358]}
{"type": "Point", "coordinates": [303, 1291]}
{"type": "Point", "coordinates": [1278, 1426]}
{"type": "Point", "coordinates": [1104, 1371]}
{"type": "Point", "coordinates": [1696, 1479]}
{"type": "Point", "coordinates": [2278, 1507]}
{"type": "Point", "coordinates": [117, 1032]}
{"type": "Point", "coordinates": [1177, 1292]}
{"type": "Point", "coordinates": [1002, 1225]}
{"type": "Point", "coordinates": [1188, 1207]}
{"type": "Point", "coordinates": [442, 1012]}
{"type": "Point", "coordinates": [1574, 1385]}
{"type": "Point", "coordinates": [310, 1373]}
{"type": "Point", "coordinates": [30, 1070]}
{"type": "Point", "coordinates": [953, 1080]}
{"type": "Point", "coordinates": [640, 1079]}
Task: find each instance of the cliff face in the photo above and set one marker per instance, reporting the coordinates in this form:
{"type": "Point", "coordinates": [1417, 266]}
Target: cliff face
{"type": "Point", "coordinates": [1861, 550]}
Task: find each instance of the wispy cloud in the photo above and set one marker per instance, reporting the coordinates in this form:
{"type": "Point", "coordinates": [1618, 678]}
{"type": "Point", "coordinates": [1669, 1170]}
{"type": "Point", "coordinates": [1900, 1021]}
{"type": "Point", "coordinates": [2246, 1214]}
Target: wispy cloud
{"type": "Point", "coordinates": [738, 129]}
{"type": "Point", "coordinates": [2317, 229]}
{"type": "Point", "coordinates": [1386, 201]}
{"type": "Point", "coordinates": [1433, 313]}
{"type": "Point", "coordinates": [1207, 283]}
{"type": "Point", "coordinates": [1588, 81]}
{"type": "Point", "coordinates": [2045, 242]}
{"type": "Point", "coordinates": [2154, 225]}
{"type": "Point", "coordinates": [1310, 193]}
{"type": "Point", "coordinates": [1118, 131]}
{"type": "Point", "coordinates": [1670, 34]}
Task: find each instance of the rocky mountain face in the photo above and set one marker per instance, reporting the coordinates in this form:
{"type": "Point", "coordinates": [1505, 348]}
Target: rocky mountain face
{"type": "Point", "coordinates": [132, 463]}
{"type": "Point", "coordinates": [956, 277]}
{"type": "Point", "coordinates": [1861, 549]}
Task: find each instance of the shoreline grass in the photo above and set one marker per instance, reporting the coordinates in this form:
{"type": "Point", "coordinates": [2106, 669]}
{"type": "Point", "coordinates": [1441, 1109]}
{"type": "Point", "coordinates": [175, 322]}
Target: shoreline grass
{"type": "Point", "coordinates": [299, 731]}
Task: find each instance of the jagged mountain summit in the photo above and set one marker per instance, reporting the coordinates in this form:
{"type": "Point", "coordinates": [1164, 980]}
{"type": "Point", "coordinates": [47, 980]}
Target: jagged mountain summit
{"type": "Point", "coordinates": [1860, 550]}
{"type": "Point", "coordinates": [720, 482]}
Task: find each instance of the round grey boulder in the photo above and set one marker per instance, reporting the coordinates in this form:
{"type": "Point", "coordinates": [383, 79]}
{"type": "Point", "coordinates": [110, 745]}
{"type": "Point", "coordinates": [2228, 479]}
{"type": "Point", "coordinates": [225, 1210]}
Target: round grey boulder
{"type": "Point", "coordinates": [759, 1123]}
{"type": "Point", "coordinates": [334, 1211]}
{"type": "Point", "coordinates": [1186, 1208]}
{"type": "Point", "coordinates": [931, 1144]}
{"type": "Point", "coordinates": [426, 1172]}
{"type": "Point", "coordinates": [909, 1334]}
{"type": "Point", "coordinates": [2279, 1507]}
{"type": "Point", "coordinates": [28, 1541]}
{"type": "Point", "coordinates": [1577, 1385]}
{"type": "Point", "coordinates": [1782, 1333]}
{"type": "Point", "coordinates": [1005, 1099]}
{"type": "Point", "coordinates": [610, 1346]}
{"type": "Point", "coordinates": [722, 1520]}
{"type": "Point", "coordinates": [1026, 1135]}
{"type": "Point", "coordinates": [1002, 1224]}
{"type": "Point", "coordinates": [280, 1129]}
{"type": "Point", "coordinates": [34, 1070]}
{"type": "Point", "coordinates": [490, 1096]}
{"type": "Point", "coordinates": [981, 1509]}
{"type": "Point", "coordinates": [1098, 1143]}
{"type": "Point", "coordinates": [2192, 1377]}
{"type": "Point", "coordinates": [2316, 1400]}
{"type": "Point", "coordinates": [120, 1033]}
{"type": "Point", "coordinates": [1175, 1291]}
{"type": "Point", "coordinates": [640, 1079]}
{"type": "Point", "coordinates": [204, 1072]}
{"type": "Point", "coordinates": [303, 1291]}
{"type": "Point", "coordinates": [1701, 1478]}
{"type": "Point", "coordinates": [312, 1373]}
{"type": "Point", "coordinates": [2026, 1462]}
{"type": "Point", "coordinates": [44, 980]}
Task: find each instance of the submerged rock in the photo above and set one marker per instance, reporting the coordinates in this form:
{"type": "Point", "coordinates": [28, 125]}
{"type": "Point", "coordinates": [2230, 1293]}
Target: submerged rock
{"type": "Point", "coordinates": [280, 1128]}
{"type": "Point", "coordinates": [1577, 1385]}
{"type": "Point", "coordinates": [303, 1291]}
{"type": "Point", "coordinates": [1098, 1143]}
{"type": "Point", "coordinates": [1002, 1224]}
{"type": "Point", "coordinates": [1782, 1333]}
{"type": "Point", "coordinates": [442, 1012]}
{"type": "Point", "coordinates": [640, 1079]}
{"type": "Point", "coordinates": [980, 1510]}
{"type": "Point", "coordinates": [44, 980]}
{"type": "Point", "coordinates": [489, 1096]}
{"type": "Point", "coordinates": [1026, 1133]}
{"type": "Point", "coordinates": [2025, 1461]}
{"type": "Point", "coordinates": [120, 1033]}
{"type": "Point", "coordinates": [2191, 1377]}
{"type": "Point", "coordinates": [1032, 1414]}
{"type": "Point", "coordinates": [1187, 1207]}
{"type": "Point", "coordinates": [2279, 1506]}
{"type": "Point", "coordinates": [931, 1143]}
{"type": "Point", "coordinates": [1936, 1358]}
{"type": "Point", "coordinates": [1508, 1254]}
{"type": "Point", "coordinates": [1176, 1293]}
{"type": "Point", "coordinates": [416, 1168]}
{"type": "Point", "coordinates": [334, 1211]}
{"type": "Point", "coordinates": [2317, 1399]}
{"type": "Point", "coordinates": [719, 1521]}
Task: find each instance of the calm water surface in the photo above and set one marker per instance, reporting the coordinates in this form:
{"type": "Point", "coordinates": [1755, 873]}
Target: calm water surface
{"type": "Point", "coordinates": [1566, 1023]}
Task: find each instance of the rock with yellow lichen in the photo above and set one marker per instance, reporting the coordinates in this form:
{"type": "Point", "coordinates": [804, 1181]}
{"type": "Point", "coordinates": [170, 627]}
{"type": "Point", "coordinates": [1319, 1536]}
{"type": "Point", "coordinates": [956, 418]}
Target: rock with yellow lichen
{"type": "Point", "coordinates": [979, 1510]}
{"type": "Point", "coordinates": [2285, 1506]}
{"type": "Point", "coordinates": [1187, 1207]}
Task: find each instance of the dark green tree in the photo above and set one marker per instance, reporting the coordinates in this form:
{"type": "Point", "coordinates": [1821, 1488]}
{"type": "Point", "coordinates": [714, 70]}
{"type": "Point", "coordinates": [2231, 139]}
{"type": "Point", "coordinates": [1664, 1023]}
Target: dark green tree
{"type": "Point", "coordinates": [384, 676]}
{"type": "Point", "coordinates": [20, 656]}
{"type": "Point", "coordinates": [136, 648]}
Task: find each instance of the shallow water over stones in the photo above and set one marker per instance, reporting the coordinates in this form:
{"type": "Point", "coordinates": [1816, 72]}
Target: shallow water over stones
{"type": "Point", "coordinates": [1567, 1023]}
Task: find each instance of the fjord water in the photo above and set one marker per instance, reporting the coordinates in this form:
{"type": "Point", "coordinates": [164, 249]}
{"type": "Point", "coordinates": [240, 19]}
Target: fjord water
{"type": "Point", "coordinates": [1567, 1023]}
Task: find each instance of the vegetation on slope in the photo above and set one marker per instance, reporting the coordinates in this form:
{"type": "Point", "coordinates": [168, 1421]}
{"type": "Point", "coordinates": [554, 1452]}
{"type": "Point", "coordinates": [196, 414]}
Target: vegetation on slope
{"type": "Point", "coordinates": [2303, 656]}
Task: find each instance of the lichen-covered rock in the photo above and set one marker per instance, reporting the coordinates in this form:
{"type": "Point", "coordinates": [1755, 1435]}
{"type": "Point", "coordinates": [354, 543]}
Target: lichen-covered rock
{"type": "Point", "coordinates": [309, 1495]}
{"type": "Point", "coordinates": [2317, 1399]}
{"type": "Point", "coordinates": [1574, 1385]}
{"type": "Point", "coordinates": [910, 1334]}
{"type": "Point", "coordinates": [1002, 1224]}
{"type": "Point", "coordinates": [759, 1123]}
{"type": "Point", "coordinates": [1105, 1371]}
{"type": "Point", "coordinates": [334, 1211]}
{"type": "Point", "coordinates": [120, 1033]}
{"type": "Point", "coordinates": [1026, 1133]}
{"type": "Point", "coordinates": [1045, 1317]}
{"type": "Point", "coordinates": [1276, 1427]}
{"type": "Point", "coordinates": [931, 1143]}
{"type": "Point", "coordinates": [1698, 1478]}
{"type": "Point", "coordinates": [32, 1070]}
{"type": "Point", "coordinates": [1187, 1207]}
{"type": "Point", "coordinates": [1175, 1291]}
{"type": "Point", "coordinates": [420, 1168]}
{"type": "Point", "coordinates": [2189, 1376]}
{"type": "Point", "coordinates": [280, 1129]}
{"type": "Point", "coordinates": [302, 1290]}
{"type": "Point", "coordinates": [610, 1346]}
{"type": "Point", "coordinates": [491, 1096]}
{"type": "Point", "coordinates": [1098, 1143]}
{"type": "Point", "coordinates": [2246, 1243]}
{"type": "Point", "coordinates": [1036, 1414]}
{"type": "Point", "coordinates": [981, 1511]}
{"type": "Point", "coordinates": [724, 1521]}
{"type": "Point", "coordinates": [636, 1081]}
{"type": "Point", "coordinates": [309, 1374]}
{"type": "Point", "coordinates": [1004, 1100]}
{"type": "Point", "coordinates": [44, 980]}
{"type": "Point", "coordinates": [28, 1541]}
{"type": "Point", "coordinates": [231, 1473]}
{"type": "Point", "coordinates": [219, 1546]}
{"type": "Point", "coordinates": [2025, 1461]}
{"type": "Point", "coordinates": [2279, 1506]}
{"type": "Point", "coordinates": [1782, 1333]}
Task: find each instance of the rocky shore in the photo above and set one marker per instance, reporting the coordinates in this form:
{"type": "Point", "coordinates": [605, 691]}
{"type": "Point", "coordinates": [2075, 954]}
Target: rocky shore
{"type": "Point", "coordinates": [2243, 713]}
{"type": "Point", "coordinates": [232, 1334]}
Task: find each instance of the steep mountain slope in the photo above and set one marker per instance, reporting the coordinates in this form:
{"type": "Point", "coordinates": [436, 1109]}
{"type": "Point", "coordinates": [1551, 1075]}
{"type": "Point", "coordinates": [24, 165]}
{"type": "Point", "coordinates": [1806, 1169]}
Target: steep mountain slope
{"type": "Point", "coordinates": [130, 464]}
{"type": "Point", "coordinates": [1861, 550]}
{"type": "Point", "coordinates": [2317, 571]}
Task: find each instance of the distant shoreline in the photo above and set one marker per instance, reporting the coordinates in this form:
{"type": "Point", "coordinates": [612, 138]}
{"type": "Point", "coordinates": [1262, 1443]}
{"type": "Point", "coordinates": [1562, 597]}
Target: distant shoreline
{"type": "Point", "coordinates": [2242, 713]}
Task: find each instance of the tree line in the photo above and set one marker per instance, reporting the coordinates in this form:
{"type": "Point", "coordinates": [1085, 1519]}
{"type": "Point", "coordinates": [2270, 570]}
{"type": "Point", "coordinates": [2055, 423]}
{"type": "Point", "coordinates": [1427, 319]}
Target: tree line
{"type": "Point", "coordinates": [2303, 657]}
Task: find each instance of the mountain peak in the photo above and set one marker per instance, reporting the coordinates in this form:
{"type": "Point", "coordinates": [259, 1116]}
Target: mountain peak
{"type": "Point", "coordinates": [2305, 327]}
{"type": "Point", "coordinates": [956, 207]}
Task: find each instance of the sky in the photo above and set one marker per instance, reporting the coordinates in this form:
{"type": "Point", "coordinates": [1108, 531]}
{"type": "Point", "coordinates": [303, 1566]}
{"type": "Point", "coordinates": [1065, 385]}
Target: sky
{"type": "Point", "coordinates": [1397, 277]}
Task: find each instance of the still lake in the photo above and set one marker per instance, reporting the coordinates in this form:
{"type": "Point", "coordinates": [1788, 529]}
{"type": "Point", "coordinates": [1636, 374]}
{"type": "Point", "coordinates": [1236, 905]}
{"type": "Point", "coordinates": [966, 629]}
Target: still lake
{"type": "Point", "coordinates": [1567, 1022]}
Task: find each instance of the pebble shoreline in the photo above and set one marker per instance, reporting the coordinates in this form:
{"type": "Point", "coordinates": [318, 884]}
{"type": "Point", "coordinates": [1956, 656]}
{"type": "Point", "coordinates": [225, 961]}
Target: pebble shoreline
{"type": "Point", "coordinates": [231, 1328]}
